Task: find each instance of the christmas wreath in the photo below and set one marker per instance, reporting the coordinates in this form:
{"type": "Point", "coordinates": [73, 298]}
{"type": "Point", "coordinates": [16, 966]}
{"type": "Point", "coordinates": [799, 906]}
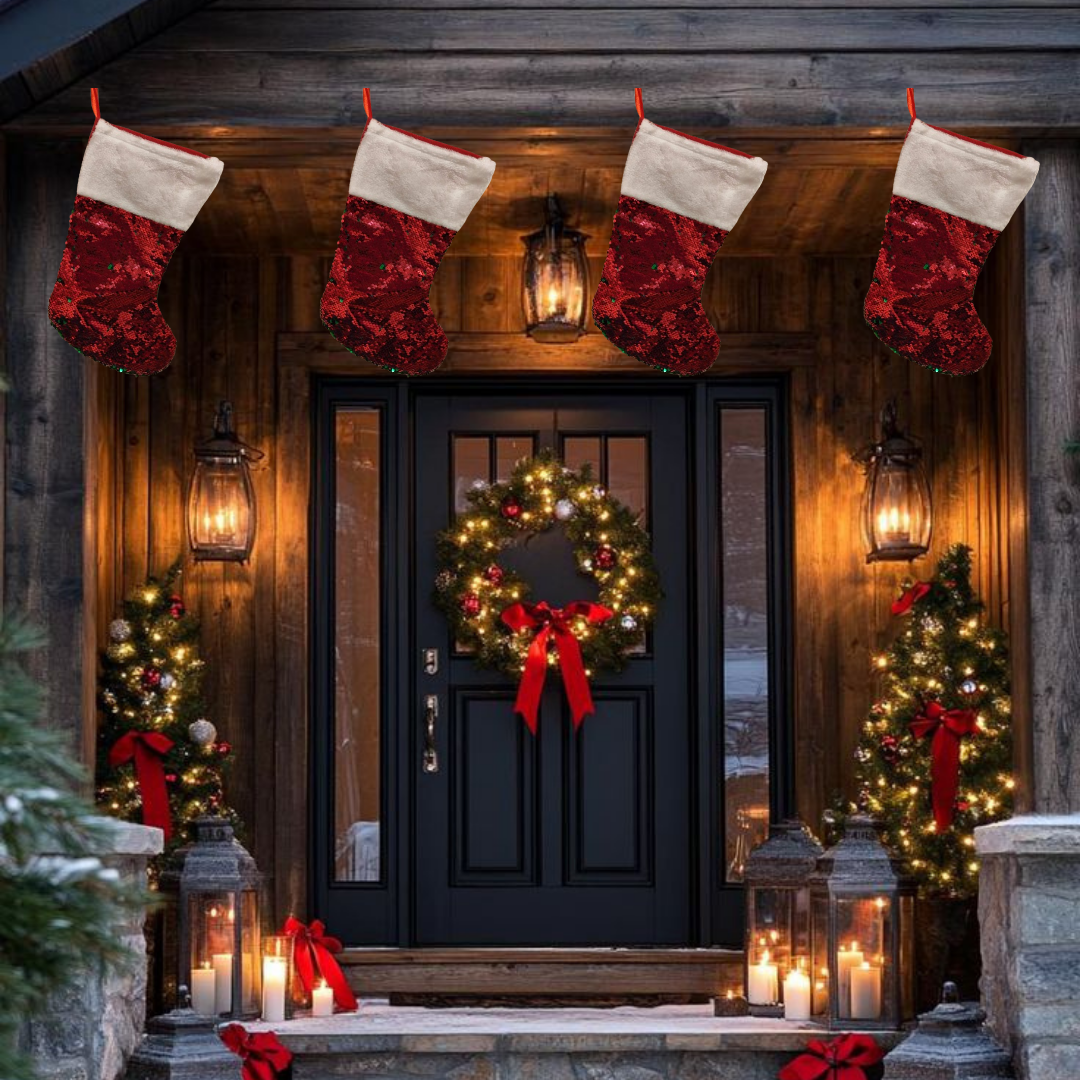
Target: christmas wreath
{"type": "Point", "coordinates": [490, 607]}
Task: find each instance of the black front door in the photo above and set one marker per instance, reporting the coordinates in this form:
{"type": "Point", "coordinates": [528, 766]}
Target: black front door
{"type": "Point", "coordinates": [563, 838]}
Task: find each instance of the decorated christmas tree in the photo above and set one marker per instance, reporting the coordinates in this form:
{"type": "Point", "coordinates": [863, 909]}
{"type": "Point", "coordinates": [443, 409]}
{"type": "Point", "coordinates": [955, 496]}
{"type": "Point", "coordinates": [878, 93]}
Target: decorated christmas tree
{"type": "Point", "coordinates": [935, 757]}
{"type": "Point", "coordinates": [159, 759]}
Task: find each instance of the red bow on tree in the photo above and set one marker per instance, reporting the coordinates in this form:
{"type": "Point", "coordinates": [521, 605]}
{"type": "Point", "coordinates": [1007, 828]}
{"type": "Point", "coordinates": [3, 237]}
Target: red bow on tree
{"type": "Point", "coordinates": [847, 1057]}
{"type": "Point", "coordinates": [147, 748]}
{"type": "Point", "coordinates": [264, 1056]}
{"type": "Point", "coordinates": [313, 950]}
{"type": "Point", "coordinates": [554, 623]}
{"type": "Point", "coordinates": [910, 597]}
{"type": "Point", "coordinates": [948, 727]}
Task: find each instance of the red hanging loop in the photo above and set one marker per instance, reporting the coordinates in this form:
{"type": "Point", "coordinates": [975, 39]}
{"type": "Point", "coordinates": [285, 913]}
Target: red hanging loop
{"type": "Point", "coordinates": [911, 102]}
{"type": "Point", "coordinates": [95, 104]}
{"type": "Point", "coordinates": [367, 102]}
{"type": "Point", "coordinates": [638, 103]}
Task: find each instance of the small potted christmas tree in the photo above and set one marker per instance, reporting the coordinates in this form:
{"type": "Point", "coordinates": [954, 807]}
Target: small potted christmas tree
{"type": "Point", "coordinates": [935, 757]}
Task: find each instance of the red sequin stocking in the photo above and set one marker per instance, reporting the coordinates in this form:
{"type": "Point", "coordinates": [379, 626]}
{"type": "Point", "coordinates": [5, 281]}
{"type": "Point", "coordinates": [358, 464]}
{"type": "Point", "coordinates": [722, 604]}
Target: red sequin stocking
{"type": "Point", "coordinates": [649, 299]}
{"type": "Point", "coordinates": [920, 300]}
{"type": "Point", "coordinates": [376, 302]}
{"type": "Point", "coordinates": [105, 298]}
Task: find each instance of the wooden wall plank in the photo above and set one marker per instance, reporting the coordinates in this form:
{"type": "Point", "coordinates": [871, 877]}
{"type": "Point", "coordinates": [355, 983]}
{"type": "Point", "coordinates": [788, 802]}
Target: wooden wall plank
{"type": "Point", "coordinates": [1053, 352]}
{"type": "Point", "coordinates": [659, 29]}
{"type": "Point", "coordinates": [715, 90]}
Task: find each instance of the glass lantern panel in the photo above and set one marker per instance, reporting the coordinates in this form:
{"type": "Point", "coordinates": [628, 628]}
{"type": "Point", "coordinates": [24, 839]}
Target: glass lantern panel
{"type": "Point", "coordinates": [898, 508]}
{"type": "Point", "coordinates": [864, 958]}
{"type": "Point", "coordinates": [771, 926]}
{"type": "Point", "coordinates": [212, 934]}
{"type": "Point", "coordinates": [250, 952]}
{"type": "Point", "coordinates": [820, 965]}
{"type": "Point", "coordinates": [907, 957]}
{"type": "Point", "coordinates": [220, 510]}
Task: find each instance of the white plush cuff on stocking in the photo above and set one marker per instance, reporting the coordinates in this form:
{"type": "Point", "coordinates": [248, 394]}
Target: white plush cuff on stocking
{"type": "Point", "coordinates": [434, 183]}
{"type": "Point", "coordinates": [133, 173]}
{"type": "Point", "coordinates": [692, 178]}
{"type": "Point", "coordinates": [977, 183]}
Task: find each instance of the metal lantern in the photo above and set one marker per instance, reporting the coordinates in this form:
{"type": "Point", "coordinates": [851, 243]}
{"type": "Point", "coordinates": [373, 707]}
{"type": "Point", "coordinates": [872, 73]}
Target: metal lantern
{"type": "Point", "coordinates": [896, 515]}
{"type": "Point", "coordinates": [555, 279]}
{"type": "Point", "coordinates": [217, 930]}
{"type": "Point", "coordinates": [862, 921]}
{"type": "Point", "coordinates": [776, 879]}
{"type": "Point", "coordinates": [221, 500]}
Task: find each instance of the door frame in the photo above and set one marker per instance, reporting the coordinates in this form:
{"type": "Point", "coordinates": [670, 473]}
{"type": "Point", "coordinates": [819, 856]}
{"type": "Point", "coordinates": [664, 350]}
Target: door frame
{"type": "Point", "coordinates": [388, 906]}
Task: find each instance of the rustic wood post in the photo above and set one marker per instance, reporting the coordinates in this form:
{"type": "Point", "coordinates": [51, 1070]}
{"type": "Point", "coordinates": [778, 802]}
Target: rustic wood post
{"type": "Point", "coordinates": [1029, 889]}
{"type": "Point", "coordinates": [49, 427]}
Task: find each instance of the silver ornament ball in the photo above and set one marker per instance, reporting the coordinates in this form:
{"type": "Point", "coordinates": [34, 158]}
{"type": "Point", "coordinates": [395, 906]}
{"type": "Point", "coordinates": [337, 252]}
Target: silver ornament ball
{"type": "Point", "coordinates": [969, 686]}
{"type": "Point", "coordinates": [202, 732]}
{"type": "Point", "coordinates": [119, 629]}
{"type": "Point", "coordinates": [167, 681]}
{"type": "Point", "coordinates": [565, 509]}
{"type": "Point", "coordinates": [628, 622]}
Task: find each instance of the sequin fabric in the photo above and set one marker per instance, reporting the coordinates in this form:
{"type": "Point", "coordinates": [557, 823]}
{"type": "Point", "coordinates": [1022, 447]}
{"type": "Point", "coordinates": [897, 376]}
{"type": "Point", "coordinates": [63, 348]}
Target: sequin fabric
{"type": "Point", "coordinates": [376, 301]}
{"type": "Point", "coordinates": [649, 299]}
{"type": "Point", "coordinates": [920, 298]}
{"type": "Point", "coordinates": [104, 301]}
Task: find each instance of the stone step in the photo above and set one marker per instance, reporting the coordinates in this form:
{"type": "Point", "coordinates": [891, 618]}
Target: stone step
{"type": "Point", "coordinates": [685, 1042]}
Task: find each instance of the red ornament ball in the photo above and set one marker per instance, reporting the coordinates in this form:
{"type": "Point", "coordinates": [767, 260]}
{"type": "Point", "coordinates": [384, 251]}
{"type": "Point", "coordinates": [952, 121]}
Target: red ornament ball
{"type": "Point", "coordinates": [170, 777]}
{"type": "Point", "coordinates": [151, 678]}
{"type": "Point", "coordinates": [494, 574]}
{"type": "Point", "coordinates": [176, 606]}
{"type": "Point", "coordinates": [470, 605]}
{"type": "Point", "coordinates": [963, 805]}
{"type": "Point", "coordinates": [510, 508]}
{"type": "Point", "coordinates": [604, 557]}
{"type": "Point", "coordinates": [223, 747]}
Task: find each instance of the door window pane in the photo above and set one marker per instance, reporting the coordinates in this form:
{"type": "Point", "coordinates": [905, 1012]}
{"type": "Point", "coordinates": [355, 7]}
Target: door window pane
{"type": "Point", "coordinates": [358, 646]}
{"type": "Point", "coordinates": [628, 473]}
{"type": "Point", "coordinates": [472, 463]}
{"type": "Point", "coordinates": [744, 576]}
{"type": "Point", "coordinates": [509, 450]}
{"type": "Point", "coordinates": [579, 450]}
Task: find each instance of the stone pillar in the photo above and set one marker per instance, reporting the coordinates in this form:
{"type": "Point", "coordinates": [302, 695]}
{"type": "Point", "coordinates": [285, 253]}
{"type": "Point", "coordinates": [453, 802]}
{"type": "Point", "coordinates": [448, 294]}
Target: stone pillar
{"type": "Point", "coordinates": [1029, 913]}
{"type": "Point", "coordinates": [95, 1024]}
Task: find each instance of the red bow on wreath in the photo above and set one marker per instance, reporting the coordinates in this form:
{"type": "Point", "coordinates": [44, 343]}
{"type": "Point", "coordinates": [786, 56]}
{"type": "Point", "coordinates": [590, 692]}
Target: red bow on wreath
{"type": "Point", "coordinates": [910, 597]}
{"type": "Point", "coordinates": [847, 1057]}
{"type": "Point", "coordinates": [147, 749]}
{"type": "Point", "coordinates": [313, 950]}
{"type": "Point", "coordinates": [948, 727]}
{"type": "Point", "coordinates": [263, 1055]}
{"type": "Point", "coordinates": [554, 623]}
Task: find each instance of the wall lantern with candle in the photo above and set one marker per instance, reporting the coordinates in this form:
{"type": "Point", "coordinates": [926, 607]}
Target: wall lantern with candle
{"type": "Point", "coordinates": [896, 514]}
{"type": "Point", "coordinates": [862, 920]}
{"type": "Point", "coordinates": [555, 279]}
{"type": "Point", "coordinates": [777, 953]}
{"type": "Point", "coordinates": [221, 500]}
{"type": "Point", "coordinates": [214, 930]}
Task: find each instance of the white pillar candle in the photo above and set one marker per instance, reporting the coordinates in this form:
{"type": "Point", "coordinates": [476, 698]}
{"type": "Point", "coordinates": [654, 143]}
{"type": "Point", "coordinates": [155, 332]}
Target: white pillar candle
{"type": "Point", "coordinates": [846, 959]}
{"type": "Point", "coordinates": [223, 982]}
{"type": "Point", "coordinates": [322, 1000]}
{"type": "Point", "coordinates": [865, 992]}
{"type": "Point", "coordinates": [203, 995]}
{"type": "Point", "coordinates": [275, 974]}
{"type": "Point", "coordinates": [797, 996]}
{"type": "Point", "coordinates": [762, 983]}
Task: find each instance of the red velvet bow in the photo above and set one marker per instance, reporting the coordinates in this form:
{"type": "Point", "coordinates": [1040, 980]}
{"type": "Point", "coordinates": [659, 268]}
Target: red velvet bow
{"type": "Point", "coordinates": [313, 950]}
{"type": "Point", "coordinates": [147, 748]}
{"type": "Point", "coordinates": [948, 727]}
{"type": "Point", "coordinates": [264, 1056]}
{"type": "Point", "coordinates": [910, 597]}
{"type": "Point", "coordinates": [553, 623]}
{"type": "Point", "coordinates": [844, 1058]}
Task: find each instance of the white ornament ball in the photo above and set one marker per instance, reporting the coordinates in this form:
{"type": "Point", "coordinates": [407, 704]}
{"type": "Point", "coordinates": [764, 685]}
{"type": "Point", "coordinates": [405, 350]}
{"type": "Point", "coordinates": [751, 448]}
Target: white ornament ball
{"type": "Point", "coordinates": [202, 732]}
{"type": "Point", "coordinates": [119, 629]}
{"type": "Point", "coordinates": [565, 509]}
{"type": "Point", "coordinates": [628, 622]}
{"type": "Point", "coordinates": [167, 681]}
{"type": "Point", "coordinates": [598, 492]}
{"type": "Point", "coordinates": [969, 686]}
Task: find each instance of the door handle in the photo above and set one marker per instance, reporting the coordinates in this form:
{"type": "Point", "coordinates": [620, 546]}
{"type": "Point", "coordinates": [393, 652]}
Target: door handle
{"type": "Point", "coordinates": [431, 714]}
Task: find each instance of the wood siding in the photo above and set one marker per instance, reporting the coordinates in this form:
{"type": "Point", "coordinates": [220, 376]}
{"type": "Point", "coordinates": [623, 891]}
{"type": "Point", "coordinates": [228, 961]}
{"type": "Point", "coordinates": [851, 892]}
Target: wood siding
{"type": "Point", "coordinates": [228, 309]}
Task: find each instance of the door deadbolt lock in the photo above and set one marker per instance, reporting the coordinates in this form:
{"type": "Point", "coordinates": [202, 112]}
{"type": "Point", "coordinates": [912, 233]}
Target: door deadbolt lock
{"type": "Point", "coordinates": [431, 661]}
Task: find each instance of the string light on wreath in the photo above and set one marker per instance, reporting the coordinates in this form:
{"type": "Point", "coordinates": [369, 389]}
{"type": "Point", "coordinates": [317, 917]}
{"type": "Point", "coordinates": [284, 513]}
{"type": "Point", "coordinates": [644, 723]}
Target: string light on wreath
{"type": "Point", "coordinates": [611, 550]}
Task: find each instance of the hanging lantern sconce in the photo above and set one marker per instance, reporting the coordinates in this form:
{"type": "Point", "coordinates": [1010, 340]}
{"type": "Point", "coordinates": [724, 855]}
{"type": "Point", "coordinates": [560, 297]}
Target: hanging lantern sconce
{"type": "Point", "coordinates": [555, 279]}
{"type": "Point", "coordinates": [221, 499]}
{"type": "Point", "coordinates": [897, 515]}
